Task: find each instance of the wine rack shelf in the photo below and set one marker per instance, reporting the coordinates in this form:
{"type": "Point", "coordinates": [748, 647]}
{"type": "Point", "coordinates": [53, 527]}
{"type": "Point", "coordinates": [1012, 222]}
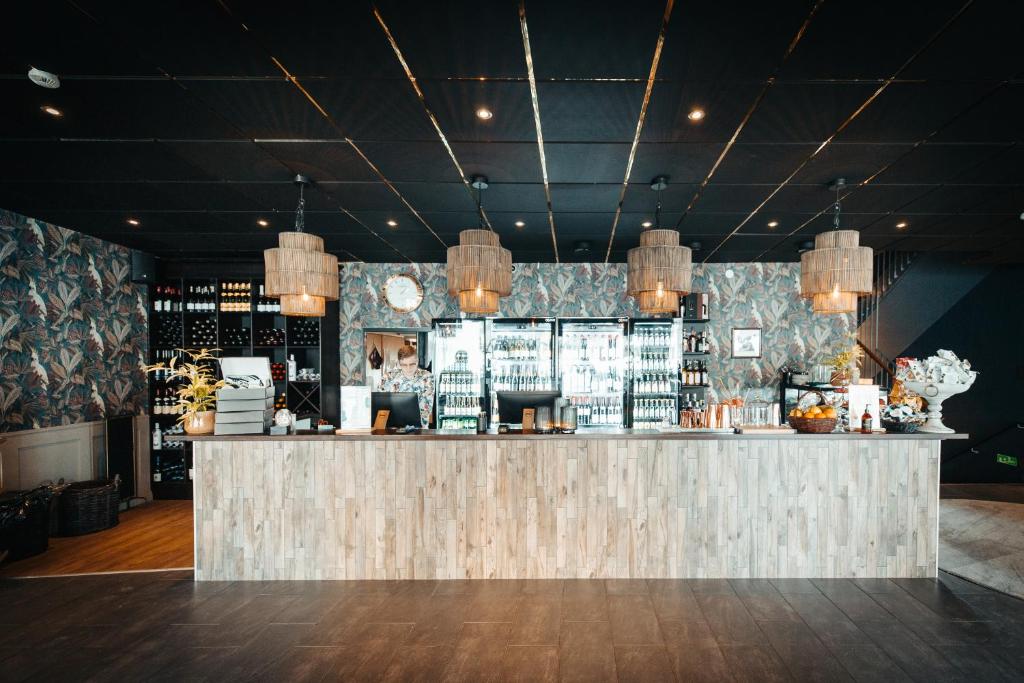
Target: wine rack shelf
{"type": "Point", "coordinates": [229, 314]}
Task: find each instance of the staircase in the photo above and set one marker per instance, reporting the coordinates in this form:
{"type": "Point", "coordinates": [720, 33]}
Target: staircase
{"type": "Point", "coordinates": [889, 266]}
{"type": "Point", "coordinates": [912, 291]}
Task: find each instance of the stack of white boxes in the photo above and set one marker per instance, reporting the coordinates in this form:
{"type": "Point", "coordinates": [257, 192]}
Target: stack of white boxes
{"type": "Point", "coordinates": [246, 404]}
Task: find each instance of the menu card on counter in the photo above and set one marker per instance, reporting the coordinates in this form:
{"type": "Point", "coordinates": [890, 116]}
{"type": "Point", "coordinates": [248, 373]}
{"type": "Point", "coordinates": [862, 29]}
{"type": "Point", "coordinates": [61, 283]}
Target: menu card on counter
{"type": "Point", "coordinates": [863, 396]}
{"type": "Point", "coordinates": [355, 410]}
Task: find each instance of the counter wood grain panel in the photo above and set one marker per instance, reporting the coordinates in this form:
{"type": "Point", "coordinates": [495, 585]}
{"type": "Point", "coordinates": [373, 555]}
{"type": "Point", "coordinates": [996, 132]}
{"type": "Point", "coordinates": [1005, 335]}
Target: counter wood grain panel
{"type": "Point", "coordinates": [493, 508]}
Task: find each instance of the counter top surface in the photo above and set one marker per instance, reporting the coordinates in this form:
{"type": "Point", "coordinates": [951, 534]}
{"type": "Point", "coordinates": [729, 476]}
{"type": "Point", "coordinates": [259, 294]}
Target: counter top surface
{"type": "Point", "coordinates": [591, 434]}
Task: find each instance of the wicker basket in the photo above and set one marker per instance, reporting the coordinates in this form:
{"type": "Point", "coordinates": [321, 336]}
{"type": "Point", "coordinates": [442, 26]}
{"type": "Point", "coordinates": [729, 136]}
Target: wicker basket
{"type": "Point", "coordinates": [88, 506]}
{"type": "Point", "coordinates": [899, 427]}
{"type": "Point", "coordinates": [24, 524]}
{"type": "Point", "coordinates": [806, 425]}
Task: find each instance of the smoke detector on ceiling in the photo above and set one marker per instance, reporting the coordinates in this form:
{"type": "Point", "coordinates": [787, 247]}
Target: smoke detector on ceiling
{"type": "Point", "coordinates": [581, 247]}
{"type": "Point", "coordinates": [43, 78]}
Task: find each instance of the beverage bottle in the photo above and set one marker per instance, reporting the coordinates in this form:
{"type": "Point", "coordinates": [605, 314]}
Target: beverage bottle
{"type": "Point", "coordinates": [865, 421]}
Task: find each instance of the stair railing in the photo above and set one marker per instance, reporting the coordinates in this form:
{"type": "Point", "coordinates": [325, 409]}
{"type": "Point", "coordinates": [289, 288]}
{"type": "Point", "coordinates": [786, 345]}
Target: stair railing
{"type": "Point", "coordinates": [889, 266]}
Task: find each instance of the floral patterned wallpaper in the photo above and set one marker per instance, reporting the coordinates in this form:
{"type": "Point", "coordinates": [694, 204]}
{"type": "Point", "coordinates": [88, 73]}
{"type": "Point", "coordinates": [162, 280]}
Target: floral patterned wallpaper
{"type": "Point", "coordinates": [73, 328]}
{"type": "Point", "coordinates": [764, 295]}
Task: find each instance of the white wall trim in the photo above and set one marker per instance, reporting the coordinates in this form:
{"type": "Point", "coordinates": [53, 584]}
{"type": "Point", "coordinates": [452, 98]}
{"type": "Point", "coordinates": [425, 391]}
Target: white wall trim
{"type": "Point", "coordinates": [74, 452]}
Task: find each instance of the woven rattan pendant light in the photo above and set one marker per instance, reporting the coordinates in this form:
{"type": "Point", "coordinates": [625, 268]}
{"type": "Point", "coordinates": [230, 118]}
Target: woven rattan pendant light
{"type": "Point", "coordinates": [298, 272]}
{"type": "Point", "coordinates": [838, 269]}
{"type": "Point", "coordinates": [658, 272]}
{"type": "Point", "coordinates": [479, 269]}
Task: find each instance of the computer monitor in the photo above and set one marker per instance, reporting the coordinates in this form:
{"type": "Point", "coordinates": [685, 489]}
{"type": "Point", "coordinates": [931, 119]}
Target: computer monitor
{"type": "Point", "coordinates": [404, 407]}
{"type": "Point", "coordinates": [511, 403]}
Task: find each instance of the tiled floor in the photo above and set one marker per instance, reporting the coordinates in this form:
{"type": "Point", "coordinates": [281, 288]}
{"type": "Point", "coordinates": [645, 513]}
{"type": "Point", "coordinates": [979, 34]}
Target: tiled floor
{"type": "Point", "coordinates": [162, 626]}
{"type": "Point", "coordinates": [983, 541]}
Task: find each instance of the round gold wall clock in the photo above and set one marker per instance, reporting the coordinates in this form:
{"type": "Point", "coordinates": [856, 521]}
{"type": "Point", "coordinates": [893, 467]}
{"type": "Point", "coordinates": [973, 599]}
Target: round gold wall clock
{"type": "Point", "coordinates": [403, 293]}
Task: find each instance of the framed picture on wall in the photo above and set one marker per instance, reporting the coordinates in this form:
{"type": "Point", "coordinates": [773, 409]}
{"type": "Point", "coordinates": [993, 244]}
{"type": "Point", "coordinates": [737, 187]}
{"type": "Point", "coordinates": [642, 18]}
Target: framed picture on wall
{"type": "Point", "coordinates": [746, 342]}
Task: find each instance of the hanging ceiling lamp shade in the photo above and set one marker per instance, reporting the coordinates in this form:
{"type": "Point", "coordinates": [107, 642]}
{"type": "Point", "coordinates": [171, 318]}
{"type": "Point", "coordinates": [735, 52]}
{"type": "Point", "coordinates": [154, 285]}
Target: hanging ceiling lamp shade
{"type": "Point", "coordinates": [837, 270]}
{"type": "Point", "coordinates": [479, 268]}
{"type": "Point", "coordinates": [479, 271]}
{"type": "Point", "coordinates": [298, 271]}
{"type": "Point", "coordinates": [834, 302]}
{"type": "Point", "coordinates": [659, 271]}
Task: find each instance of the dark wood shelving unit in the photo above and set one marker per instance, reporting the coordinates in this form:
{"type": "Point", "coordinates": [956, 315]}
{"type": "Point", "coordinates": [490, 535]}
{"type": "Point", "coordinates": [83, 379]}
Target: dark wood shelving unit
{"type": "Point", "coordinates": [171, 467]}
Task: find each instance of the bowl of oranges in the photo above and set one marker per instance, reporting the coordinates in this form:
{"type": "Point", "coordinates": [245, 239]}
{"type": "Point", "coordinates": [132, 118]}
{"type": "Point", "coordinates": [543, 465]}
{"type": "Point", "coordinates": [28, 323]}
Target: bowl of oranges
{"type": "Point", "coordinates": [814, 419]}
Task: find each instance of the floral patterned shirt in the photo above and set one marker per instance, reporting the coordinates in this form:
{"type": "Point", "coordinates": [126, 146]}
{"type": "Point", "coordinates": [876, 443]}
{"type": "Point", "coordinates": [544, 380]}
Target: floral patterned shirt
{"type": "Point", "coordinates": [422, 383]}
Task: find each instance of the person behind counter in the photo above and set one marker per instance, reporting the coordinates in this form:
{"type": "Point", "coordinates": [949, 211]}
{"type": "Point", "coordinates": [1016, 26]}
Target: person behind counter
{"type": "Point", "coordinates": [410, 377]}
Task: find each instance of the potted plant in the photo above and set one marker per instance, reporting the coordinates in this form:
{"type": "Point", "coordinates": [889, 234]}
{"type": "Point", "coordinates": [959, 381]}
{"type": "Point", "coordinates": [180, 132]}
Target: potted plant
{"type": "Point", "coordinates": [197, 391]}
{"type": "Point", "coordinates": [846, 366]}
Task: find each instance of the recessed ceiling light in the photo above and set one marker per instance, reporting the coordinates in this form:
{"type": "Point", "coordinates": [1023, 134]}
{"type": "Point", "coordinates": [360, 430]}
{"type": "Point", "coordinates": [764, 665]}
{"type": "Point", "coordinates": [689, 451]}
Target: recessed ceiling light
{"type": "Point", "coordinates": [52, 111]}
{"type": "Point", "coordinates": [262, 222]}
{"type": "Point", "coordinates": [901, 225]}
{"type": "Point", "coordinates": [695, 115]}
{"type": "Point", "coordinates": [773, 224]}
{"type": "Point", "coordinates": [646, 224]}
{"type": "Point", "coordinates": [133, 221]}
{"type": "Point", "coordinates": [392, 223]}
{"type": "Point", "coordinates": [484, 113]}
{"type": "Point", "coordinates": [520, 224]}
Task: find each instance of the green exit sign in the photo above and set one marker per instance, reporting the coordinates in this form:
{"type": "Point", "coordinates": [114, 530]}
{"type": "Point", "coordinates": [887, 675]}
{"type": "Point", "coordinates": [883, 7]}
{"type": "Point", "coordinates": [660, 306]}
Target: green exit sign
{"type": "Point", "coordinates": [1006, 459]}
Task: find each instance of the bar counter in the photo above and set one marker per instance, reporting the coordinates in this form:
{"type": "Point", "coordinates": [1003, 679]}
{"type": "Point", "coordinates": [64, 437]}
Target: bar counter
{"type": "Point", "coordinates": [611, 504]}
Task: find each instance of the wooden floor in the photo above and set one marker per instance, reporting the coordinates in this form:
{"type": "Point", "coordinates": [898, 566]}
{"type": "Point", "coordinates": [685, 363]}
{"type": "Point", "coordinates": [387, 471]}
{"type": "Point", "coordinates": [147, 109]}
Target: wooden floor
{"type": "Point", "coordinates": [131, 627]}
{"type": "Point", "coordinates": [156, 535]}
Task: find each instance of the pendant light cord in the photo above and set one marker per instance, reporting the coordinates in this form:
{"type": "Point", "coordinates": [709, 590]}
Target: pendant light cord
{"type": "Point", "coordinates": [657, 212]}
{"type": "Point", "coordinates": [300, 212]}
{"type": "Point", "coordinates": [835, 220]}
{"type": "Point", "coordinates": [480, 205]}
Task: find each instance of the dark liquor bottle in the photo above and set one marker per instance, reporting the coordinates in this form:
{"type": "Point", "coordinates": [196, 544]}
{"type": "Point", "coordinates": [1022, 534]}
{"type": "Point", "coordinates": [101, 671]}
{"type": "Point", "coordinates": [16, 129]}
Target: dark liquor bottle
{"type": "Point", "coordinates": [865, 422]}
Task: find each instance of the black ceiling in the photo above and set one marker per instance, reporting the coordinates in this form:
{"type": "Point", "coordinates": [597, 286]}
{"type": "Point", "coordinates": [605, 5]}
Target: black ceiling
{"type": "Point", "coordinates": [179, 114]}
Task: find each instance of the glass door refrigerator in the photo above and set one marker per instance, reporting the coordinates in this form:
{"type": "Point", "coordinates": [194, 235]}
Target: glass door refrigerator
{"type": "Point", "coordinates": [592, 366]}
{"type": "Point", "coordinates": [655, 350]}
{"type": "Point", "coordinates": [458, 367]}
{"type": "Point", "coordinates": [520, 357]}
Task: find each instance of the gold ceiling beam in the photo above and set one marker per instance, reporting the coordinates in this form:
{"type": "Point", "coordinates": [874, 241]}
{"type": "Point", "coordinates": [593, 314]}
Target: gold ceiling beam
{"type": "Point", "coordinates": [849, 119]}
{"type": "Point", "coordinates": [426, 108]}
{"type": "Point", "coordinates": [640, 122]}
{"type": "Point", "coordinates": [535, 101]}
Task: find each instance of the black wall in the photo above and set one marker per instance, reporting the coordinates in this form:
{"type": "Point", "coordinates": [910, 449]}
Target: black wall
{"type": "Point", "coordinates": [987, 328]}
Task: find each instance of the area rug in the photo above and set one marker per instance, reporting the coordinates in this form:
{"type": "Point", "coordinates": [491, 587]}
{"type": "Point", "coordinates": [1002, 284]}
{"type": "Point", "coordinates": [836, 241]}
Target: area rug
{"type": "Point", "coordinates": [983, 541]}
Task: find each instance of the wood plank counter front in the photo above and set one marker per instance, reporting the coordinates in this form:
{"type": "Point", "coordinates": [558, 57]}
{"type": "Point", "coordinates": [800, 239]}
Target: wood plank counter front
{"type": "Point", "coordinates": [638, 505]}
